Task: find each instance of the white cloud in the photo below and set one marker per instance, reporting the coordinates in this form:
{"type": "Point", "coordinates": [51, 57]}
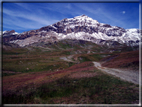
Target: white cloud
{"type": "Point", "coordinates": [26, 15]}
{"type": "Point", "coordinates": [25, 20]}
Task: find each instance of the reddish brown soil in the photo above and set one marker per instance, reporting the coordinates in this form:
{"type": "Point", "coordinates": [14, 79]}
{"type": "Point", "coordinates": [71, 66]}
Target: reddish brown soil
{"type": "Point", "coordinates": [21, 80]}
{"type": "Point", "coordinates": [125, 59]}
{"type": "Point", "coordinates": [82, 74]}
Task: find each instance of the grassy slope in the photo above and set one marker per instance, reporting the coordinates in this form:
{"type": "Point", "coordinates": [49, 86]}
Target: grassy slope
{"type": "Point", "coordinates": [45, 78]}
{"type": "Point", "coordinates": [93, 90]}
{"type": "Point", "coordinates": [123, 60]}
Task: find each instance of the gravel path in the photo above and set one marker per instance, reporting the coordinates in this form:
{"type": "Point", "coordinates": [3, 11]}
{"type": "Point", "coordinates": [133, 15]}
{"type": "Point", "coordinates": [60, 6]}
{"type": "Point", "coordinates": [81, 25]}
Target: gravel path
{"type": "Point", "coordinates": [131, 76]}
{"type": "Point", "coordinates": [67, 58]}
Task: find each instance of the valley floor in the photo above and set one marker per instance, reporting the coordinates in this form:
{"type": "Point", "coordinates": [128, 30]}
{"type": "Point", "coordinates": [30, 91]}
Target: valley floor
{"type": "Point", "coordinates": [69, 76]}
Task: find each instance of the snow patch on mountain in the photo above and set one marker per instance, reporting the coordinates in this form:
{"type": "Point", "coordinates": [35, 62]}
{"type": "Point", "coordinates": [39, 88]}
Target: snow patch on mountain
{"type": "Point", "coordinates": [80, 28]}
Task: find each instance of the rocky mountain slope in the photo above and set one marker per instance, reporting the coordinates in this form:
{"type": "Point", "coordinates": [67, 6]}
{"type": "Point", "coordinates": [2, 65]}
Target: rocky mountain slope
{"type": "Point", "coordinates": [78, 28]}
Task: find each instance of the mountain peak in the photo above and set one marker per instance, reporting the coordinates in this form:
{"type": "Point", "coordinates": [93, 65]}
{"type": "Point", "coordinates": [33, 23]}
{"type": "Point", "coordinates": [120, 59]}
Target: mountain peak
{"type": "Point", "coordinates": [86, 19]}
{"type": "Point", "coordinates": [84, 15]}
{"type": "Point", "coordinates": [80, 27]}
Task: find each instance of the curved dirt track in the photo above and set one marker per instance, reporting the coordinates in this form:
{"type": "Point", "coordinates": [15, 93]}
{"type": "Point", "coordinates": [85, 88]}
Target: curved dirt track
{"type": "Point", "coordinates": [126, 75]}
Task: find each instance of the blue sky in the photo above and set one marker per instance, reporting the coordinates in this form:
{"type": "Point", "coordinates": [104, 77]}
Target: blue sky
{"type": "Point", "coordinates": [28, 16]}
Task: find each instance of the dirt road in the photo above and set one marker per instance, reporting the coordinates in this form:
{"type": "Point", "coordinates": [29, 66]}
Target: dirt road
{"type": "Point", "coordinates": [67, 58]}
{"type": "Point", "coordinates": [126, 75]}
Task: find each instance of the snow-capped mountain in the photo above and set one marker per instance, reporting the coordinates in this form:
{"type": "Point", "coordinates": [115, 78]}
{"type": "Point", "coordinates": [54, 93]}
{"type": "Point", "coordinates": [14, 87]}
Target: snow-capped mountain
{"type": "Point", "coordinates": [80, 28]}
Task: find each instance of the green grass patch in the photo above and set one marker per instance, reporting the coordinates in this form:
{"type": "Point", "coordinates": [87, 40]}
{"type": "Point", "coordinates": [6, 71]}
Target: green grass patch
{"type": "Point", "coordinates": [64, 46]}
{"type": "Point", "coordinates": [15, 51]}
{"type": "Point", "coordinates": [35, 66]}
{"type": "Point", "coordinates": [71, 64]}
{"type": "Point", "coordinates": [92, 57]}
{"type": "Point", "coordinates": [96, 57]}
{"type": "Point", "coordinates": [83, 59]}
{"type": "Point", "coordinates": [7, 74]}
